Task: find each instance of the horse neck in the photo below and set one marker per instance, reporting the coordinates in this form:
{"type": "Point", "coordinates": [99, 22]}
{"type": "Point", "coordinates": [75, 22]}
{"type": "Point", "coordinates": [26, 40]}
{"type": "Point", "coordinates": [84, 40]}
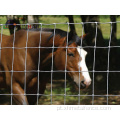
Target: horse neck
{"type": "Point", "coordinates": [47, 41]}
{"type": "Point", "coordinates": [54, 41]}
{"type": "Point", "coordinates": [3, 40]}
{"type": "Point", "coordinates": [44, 40]}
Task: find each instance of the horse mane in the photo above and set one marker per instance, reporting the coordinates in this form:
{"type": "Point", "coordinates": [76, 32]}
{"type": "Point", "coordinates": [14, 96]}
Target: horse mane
{"type": "Point", "coordinates": [60, 32]}
{"type": "Point", "coordinates": [71, 37]}
{"type": "Point", "coordinates": [56, 32]}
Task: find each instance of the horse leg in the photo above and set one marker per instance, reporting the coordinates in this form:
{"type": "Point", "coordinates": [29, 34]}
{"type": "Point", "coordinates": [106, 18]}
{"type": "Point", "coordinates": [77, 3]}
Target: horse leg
{"type": "Point", "coordinates": [32, 99]}
{"type": "Point", "coordinates": [2, 82]}
{"type": "Point", "coordinates": [32, 89]}
{"type": "Point", "coordinates": [2, 78]}
{"type": "Point", "coordinates": [42, 87]}
{"type": "Point", "coordinates": [19, 99]}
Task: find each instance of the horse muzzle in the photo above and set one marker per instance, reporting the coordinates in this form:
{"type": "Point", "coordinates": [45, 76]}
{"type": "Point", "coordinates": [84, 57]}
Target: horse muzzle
{"type": "Point", "coordinates": [85, 84]}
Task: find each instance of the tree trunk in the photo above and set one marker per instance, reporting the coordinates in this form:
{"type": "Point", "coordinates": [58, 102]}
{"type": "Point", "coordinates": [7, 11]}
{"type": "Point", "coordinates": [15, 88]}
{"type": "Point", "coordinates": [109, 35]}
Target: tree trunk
{"type": "Point", "coordinates": [12, 20]}
{"type": "Point", "coordinates": [72, 26]}
{"type": "Point", "coordinates": [114, 30]}
{"type": "Point", "coordinates": [113, 51]}
{"type": "Point", "coordinates": [91, 29]}
{"type": "Point", "coordinates": [33, 19]}
{"type": "Point", "coordinates": [114, 63]}
{"type": "Point", "coordinates": [9, 17]}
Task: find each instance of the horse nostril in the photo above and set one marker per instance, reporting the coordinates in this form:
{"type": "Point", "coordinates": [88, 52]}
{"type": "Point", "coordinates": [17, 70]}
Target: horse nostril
{"type": "Point", "coordinates": [82, 84]}
{"type": "Point", "coordinates": [82, 81]}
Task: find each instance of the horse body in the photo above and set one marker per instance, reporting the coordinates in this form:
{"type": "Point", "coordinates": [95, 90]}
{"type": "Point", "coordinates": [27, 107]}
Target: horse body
{"type": "Point", "coordinates": [20, 58]}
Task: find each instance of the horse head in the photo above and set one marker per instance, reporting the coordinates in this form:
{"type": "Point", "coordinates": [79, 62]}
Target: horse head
{"type": "Point", "coordinates": [71, 58]}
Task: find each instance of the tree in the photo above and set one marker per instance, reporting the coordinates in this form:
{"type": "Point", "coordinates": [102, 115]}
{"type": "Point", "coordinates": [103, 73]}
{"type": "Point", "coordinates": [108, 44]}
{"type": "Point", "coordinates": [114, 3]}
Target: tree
{"type": "Point", "coordinates": [114, 30]}
{"type": "Point", "coordinates": [91, 29]}
{"type": "Point", "coordinates": [113, 53]}
{"type": "Point", "coordinates": [33, 19]}
{"type": "Point", "coordinates": [12, 20]}
{"type": "Point", "coordinates": [72, 26]}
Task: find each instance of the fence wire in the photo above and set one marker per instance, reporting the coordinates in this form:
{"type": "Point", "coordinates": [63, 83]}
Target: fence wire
{"type": "Point", "coordinates": [12, 71]}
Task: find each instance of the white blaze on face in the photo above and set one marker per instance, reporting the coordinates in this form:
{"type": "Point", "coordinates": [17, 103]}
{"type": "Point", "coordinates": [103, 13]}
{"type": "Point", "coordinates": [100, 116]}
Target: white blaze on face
{"type": "Point", "coordinates": [83, 66]}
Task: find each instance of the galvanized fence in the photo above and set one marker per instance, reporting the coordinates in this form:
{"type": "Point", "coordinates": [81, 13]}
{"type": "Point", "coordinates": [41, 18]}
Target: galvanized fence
{"type": "Point", "coordinates": [93, 71]}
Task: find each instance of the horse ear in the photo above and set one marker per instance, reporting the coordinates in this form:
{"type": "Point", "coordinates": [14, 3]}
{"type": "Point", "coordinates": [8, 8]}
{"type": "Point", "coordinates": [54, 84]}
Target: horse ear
{"type": "Point", "coordinates": [85, 41]}
{"type": "Point", "coordinates": [84, 36]}
{"type": "Point", "coordinates": [72, 37]}
{"type": "Point", "coordinates": [82, 40]}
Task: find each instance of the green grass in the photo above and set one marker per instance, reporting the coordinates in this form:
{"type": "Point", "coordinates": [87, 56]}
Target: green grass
{"type": "Point", "coordinates": [59, 99]}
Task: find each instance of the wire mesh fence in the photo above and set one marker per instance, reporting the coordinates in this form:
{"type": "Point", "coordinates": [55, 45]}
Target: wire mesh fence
{"type": "Point", "coordinates": [58, 91]}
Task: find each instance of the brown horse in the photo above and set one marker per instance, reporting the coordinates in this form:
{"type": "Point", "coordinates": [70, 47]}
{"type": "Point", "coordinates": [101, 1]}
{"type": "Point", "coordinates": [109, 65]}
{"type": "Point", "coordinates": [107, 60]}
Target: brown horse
{"type": "Point", "coordinates": [27, 56]}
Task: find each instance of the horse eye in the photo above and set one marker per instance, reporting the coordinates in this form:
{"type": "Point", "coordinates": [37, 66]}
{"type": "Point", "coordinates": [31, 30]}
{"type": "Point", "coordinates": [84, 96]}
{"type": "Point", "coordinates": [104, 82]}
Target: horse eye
{"type": "Point", "coordinates": [71, 54]}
